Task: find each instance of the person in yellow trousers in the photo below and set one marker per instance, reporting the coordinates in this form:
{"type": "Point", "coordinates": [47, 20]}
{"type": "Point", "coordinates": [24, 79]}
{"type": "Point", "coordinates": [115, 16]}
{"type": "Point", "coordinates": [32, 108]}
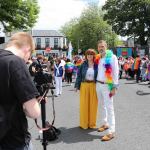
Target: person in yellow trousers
{"type": "Point", "coordinates": [86, 83]}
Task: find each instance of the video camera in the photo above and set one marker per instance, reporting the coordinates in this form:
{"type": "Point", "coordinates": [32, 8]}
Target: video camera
{"type": "Point", "coordinates": [43, 79]}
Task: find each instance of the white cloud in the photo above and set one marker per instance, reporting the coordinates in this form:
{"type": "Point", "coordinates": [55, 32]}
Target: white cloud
{"type": "Point", "coordinates": [55, 13]}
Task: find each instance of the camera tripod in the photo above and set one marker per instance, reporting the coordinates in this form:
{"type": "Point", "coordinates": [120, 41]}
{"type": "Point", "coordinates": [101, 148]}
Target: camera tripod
{"type": "Point", "coordinates": [43, 93]}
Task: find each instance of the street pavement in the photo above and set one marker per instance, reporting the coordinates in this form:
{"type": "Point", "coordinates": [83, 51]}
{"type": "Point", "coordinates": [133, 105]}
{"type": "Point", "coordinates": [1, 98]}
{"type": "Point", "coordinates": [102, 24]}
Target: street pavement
{"type": "Point", "coordinates": [132, 112]}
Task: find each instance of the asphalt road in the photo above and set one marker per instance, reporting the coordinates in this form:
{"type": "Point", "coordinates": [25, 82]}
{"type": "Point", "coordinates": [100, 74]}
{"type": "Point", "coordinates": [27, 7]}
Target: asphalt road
{"type": "Point", "coordinates": [132, 112]}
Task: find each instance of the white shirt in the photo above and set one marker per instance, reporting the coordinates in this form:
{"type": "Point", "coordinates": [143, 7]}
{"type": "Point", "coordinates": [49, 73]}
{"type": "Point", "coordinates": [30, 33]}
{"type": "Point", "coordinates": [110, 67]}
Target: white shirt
{"type": "Point", "coordinates": [115, 70]}
{"type": "Point", "coordinates": [63, 62]}
{"type": "Point", "coordinates": [90, 74]}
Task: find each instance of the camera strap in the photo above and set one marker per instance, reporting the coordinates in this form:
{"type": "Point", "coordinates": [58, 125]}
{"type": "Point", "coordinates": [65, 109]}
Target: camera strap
{"type": "Point", "coordinates": [48, 125]}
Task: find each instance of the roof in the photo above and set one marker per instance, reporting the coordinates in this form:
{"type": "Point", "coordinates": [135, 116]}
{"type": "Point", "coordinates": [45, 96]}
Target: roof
{"type": "Point", "coordinates": [46, 33]}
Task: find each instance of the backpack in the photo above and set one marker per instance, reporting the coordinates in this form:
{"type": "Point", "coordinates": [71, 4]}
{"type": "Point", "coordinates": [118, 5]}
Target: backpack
{"type": "Point", "coordinates": [5, 120]}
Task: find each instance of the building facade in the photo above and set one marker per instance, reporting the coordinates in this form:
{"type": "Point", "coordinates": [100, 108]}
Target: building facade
{"type": "Point", "coordinates": [48, 42]}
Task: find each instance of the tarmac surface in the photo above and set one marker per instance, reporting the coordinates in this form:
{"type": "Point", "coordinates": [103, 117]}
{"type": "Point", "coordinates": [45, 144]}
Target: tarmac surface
{"type": "Point", "coordinates": [132, 112]}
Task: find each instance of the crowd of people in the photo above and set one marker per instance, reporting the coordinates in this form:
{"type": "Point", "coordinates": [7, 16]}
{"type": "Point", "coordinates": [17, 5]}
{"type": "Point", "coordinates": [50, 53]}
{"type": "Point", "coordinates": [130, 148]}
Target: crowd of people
{"type": "Point", "coordinates": [96, 77]}
{"type": "Point", "coordinates": [135, 68]}
{"type": "Point", "coordinates": [62, 69]}
{"type": "Point", "coordinates": [95, 81]}
{"type": "Point", "coordinates": [88, 74]}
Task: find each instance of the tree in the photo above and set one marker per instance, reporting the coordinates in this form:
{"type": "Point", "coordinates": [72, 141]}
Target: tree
{"type": "Point", "coordinates": [70, 30]}
{"type": "Point", "coordinates": [129, 18]}
{"type": "Point", "coordinates": [18, 14]}
{"type": "Point", "coordinates": [93, 27]}
{"type": "Point", "coordinates": [90, 27]}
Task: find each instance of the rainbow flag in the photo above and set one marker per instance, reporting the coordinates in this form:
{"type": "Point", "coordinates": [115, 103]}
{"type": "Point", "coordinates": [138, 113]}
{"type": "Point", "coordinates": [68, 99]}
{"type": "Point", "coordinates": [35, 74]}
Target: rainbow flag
{"type": "Point", "coordinates": [77, 65]}
{"type": "Point", "coordinates": [69, 67]}
{"type": "Point", "coordinates": [79, 62]}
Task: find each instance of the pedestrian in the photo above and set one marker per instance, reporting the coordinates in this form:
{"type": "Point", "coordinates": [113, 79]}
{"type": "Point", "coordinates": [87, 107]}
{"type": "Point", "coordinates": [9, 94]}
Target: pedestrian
{"type": "Point", "coordinates": [17, 92]}
{"type": "Point", "coordinates": [143, 69]}
{"type": "Point", "coordinates": [126, 68]}
{"type": "Point", "coordinates": [63, 62]}
{"type": "Point", "coordinates": [85, 82]}
{"type": "Point", "coordinates": [131, 67]}
{"type": "Point", "coordinates": [148, 71]}
{"type": "Point", "coordinates": [59, 72]}
{"type": "Point", "coordinates": [120, 63]}
{"type": "Point", "coordinates": [106, 85]}
{"type": "Point", "coordinates": [137, 70]}
{"type": "Point", "coordinates": [69, 66]}
{"type": "Point", "coordinates": [50, 65]}
{"type": "Point", "coordinates": [77, 63]}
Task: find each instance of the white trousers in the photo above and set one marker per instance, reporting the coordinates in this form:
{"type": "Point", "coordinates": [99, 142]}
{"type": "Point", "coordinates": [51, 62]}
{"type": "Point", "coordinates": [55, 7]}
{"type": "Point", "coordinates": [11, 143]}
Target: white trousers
{"type": "Point", "coordinates": [106, 105]}
{"type": "Point", "coordinates": [58, 81]}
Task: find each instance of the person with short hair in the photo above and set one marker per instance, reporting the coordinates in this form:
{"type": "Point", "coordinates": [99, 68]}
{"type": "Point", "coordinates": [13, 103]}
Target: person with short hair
{"type": "Point", "coordinates": [18, 91]}
{"type": "Point", "coordinates": [69, 66]}
{"type": "Point", "coordinates": [106, 85]}
{"type": "Point", "coordinates": [86, 83]}
{"type": "Point", "coordinates": [59, 72]}
{"type": "Point", "coordinates": [137, 69]}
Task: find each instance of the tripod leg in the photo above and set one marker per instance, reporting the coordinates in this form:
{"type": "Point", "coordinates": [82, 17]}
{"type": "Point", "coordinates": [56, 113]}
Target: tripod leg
{"type": "Point", "coordinates": [43, 111]}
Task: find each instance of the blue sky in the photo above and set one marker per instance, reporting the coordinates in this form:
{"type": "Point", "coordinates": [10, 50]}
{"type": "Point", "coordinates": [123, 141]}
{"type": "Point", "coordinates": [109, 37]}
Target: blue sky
{"type": "Point", "coordinates": [55, 13]}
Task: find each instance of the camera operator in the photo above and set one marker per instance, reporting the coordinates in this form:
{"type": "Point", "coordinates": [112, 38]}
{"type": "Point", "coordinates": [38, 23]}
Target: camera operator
{"type": "Point", "coordinates": [18, 91]}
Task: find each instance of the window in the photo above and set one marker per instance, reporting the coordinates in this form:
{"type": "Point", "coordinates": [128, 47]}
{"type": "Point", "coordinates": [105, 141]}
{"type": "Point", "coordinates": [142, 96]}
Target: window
{"type": "Point", "coordinates": [55, 43]}
{"type": "Point", "coordinates": [2, 40]}
{"type": "Point", "coordinates": [38, 43]}
{"type": "Point", "coordinates": [47, 41]}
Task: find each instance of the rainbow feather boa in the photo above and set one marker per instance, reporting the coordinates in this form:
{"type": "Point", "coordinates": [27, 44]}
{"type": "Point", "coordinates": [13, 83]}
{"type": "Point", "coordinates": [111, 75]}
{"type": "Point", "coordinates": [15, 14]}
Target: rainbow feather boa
{"type": "Point", "coordinates": [108, 67]}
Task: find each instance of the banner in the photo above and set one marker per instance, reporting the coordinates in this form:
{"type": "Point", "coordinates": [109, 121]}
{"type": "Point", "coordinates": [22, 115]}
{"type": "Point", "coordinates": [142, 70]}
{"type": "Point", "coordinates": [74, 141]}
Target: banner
{"type": "Point", "coordinates": [70, 51]}
{"type": "Point", "coordinates": [124, 51]}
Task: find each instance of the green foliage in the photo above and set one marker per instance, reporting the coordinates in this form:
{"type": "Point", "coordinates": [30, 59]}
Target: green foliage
{"type": "Point", "coordinates": [85, 31]}
{"type": "Point", "coordinates": [129, 18]}
{"type": "Point", "coordinates": [18, 14]}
